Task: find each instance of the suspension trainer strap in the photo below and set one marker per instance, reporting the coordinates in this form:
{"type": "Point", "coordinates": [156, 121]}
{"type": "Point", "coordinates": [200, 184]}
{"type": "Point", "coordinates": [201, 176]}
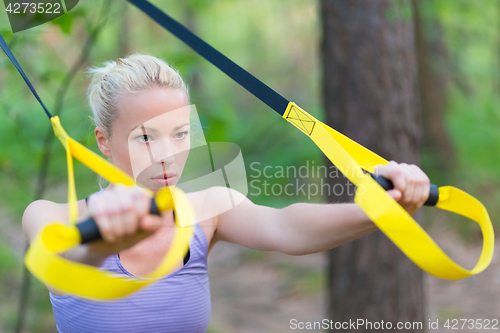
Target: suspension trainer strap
{"type": "Point", "coordinates": [352, 160]}
{"type": "Point", "coordinates": [9, 54]}
{"type": "Point", "coordinates": [43, 259]}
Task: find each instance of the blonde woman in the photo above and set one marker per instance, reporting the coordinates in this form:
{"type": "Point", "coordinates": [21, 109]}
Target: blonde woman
{"type": "Point", "coordinates": [123, 95]}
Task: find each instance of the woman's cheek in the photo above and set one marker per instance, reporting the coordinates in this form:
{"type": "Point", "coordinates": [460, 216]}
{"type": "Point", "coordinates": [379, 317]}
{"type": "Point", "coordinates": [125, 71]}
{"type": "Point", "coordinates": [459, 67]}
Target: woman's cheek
{"type": "Point", "coordinates": [124, 162]}
{"type": "Point", "coordinates": [140, 161]}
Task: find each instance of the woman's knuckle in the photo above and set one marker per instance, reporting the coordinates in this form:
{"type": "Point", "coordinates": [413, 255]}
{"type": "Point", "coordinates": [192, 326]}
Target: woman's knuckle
{"type": "Point", "coordinates": [396, 171]}
{"type": "Point", "coordinates": [128, 209]}
{"type": "Point", "coordinates": [112, 211]}
{"type": "Point", "coordinates": [123, 208]}
{"type": "Point", "coordinates": [97, 216]}
{"type": "Point", "coordinates": [415, 168]}
{"type": "Point", "coordinates": [103, 226]}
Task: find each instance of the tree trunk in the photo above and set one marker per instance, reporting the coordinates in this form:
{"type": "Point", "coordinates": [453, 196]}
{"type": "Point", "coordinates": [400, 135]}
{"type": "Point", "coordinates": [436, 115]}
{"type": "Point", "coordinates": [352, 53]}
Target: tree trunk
{"type": "Point", "coordinates": [370, 95]}
{"type": "Point", "coordinates": [433, 87]}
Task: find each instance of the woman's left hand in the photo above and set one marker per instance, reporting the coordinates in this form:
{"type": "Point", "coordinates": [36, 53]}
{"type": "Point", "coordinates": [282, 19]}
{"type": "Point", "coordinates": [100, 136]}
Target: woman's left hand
{"type": "Point", "coordinates": [411, 184]}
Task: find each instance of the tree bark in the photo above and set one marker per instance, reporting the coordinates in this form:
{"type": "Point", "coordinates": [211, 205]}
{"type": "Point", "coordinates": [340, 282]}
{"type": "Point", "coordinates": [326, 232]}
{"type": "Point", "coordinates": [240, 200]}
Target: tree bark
{"type": "Point", "coordinates": [433, 87]}
{"type": "Point", "coordinates": [370, 95]}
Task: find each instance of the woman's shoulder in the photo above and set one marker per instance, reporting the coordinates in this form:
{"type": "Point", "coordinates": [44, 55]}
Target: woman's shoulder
{"type": "Point", "coordinates": [214, 201]}
{"type": "Point", "coordinates": [215, 195]}
{"type": "Point", "coordinates": [41, 212]}
{"type": "Point", "coordinates": [42, 208]}
{"type": "Point", "coordinates": [211, 203]}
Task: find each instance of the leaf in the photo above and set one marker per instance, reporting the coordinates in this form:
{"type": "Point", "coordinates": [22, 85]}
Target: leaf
{"type": "Point", "coordinates": [65, 22]}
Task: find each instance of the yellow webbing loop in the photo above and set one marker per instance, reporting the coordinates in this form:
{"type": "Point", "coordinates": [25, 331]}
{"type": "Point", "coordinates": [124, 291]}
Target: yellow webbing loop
{"type": "Point", "coordinates": [43, 260]}
{"type": "Point", "coordinates": [350, 157]}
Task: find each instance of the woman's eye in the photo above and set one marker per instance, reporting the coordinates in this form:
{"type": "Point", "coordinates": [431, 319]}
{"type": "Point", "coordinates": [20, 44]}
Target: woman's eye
{"type": "Point", "coordinates": [145, 138]}
{"type": "Point", "coordinates": [181, 135]}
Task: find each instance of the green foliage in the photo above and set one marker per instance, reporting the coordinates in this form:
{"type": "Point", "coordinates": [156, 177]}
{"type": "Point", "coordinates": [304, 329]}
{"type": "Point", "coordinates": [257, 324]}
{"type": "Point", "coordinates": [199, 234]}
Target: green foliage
{"type": "Point", "coordinates": [10, 269]}
{"type": "Point", "coordinates": [64, 22]}
{"type": "Point", "coordinates": [470, 60]}
{"type": "Point", "coordinates": [474, 127]}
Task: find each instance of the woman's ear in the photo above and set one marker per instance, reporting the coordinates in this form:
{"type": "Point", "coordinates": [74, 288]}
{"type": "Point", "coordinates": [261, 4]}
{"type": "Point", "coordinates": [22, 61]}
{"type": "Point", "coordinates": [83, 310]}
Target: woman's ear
{"type": "Point", "coordinates": [102, 142]}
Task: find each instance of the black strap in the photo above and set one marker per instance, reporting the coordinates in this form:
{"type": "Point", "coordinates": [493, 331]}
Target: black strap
{"type": "Point", "coordinates": [256, 87]}
{"type": "Point", "coordinates": [9, 54]}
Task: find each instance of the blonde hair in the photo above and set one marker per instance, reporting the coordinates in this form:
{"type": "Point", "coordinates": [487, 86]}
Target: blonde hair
{"type": "Point", "coordinates": [134, 73]}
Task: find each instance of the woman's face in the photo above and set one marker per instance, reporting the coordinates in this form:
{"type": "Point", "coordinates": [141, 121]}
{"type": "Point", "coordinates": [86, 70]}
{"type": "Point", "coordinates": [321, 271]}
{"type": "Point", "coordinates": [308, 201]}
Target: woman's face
{"type": "Point", "coordinates": [150, 137]}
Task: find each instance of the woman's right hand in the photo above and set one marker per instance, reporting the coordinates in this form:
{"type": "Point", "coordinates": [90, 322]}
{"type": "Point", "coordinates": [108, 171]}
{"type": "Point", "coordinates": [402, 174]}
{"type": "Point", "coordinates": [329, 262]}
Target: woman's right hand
{"type": "Point", "coordinates": [122, 217]}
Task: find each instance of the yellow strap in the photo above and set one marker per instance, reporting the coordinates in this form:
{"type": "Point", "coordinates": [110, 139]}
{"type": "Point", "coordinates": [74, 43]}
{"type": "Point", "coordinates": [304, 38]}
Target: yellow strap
{"type": "Point", "coordinates": [44, 262]}
{"type": "Point", "coordinates": [350, 157]}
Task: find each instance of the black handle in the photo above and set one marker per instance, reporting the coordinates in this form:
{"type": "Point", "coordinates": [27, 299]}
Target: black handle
{"type": "Point", "coordinates": [387, 185]}
{"type": "Point", "coordinates": [89, 231]}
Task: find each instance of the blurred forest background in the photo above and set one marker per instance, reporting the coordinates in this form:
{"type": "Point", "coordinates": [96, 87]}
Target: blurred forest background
{"type": "Point", "coordinates": [458, 48]}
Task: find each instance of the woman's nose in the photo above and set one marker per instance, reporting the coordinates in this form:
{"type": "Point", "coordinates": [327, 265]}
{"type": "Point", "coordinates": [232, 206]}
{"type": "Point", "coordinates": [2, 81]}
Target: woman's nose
{"type": "Point", "coordinates": [167, 160]}
{"type": "Point", "coordinates": [164, 152]}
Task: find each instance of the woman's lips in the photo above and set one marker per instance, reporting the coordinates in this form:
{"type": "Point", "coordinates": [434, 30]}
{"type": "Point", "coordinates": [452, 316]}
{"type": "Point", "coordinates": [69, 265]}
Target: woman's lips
{"type": "Point", "coordinates": [165, 179]}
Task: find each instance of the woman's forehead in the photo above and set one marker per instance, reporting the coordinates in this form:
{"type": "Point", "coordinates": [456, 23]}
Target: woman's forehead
{"type": "Point", "coordinates": [158, 107]}
{"type": "Point", "coordinates": [168, 121]}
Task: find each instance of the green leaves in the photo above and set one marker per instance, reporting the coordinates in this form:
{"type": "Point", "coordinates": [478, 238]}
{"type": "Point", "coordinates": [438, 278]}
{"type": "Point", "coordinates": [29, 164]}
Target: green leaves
{"type": "Point", "coordinates": [65, 22]}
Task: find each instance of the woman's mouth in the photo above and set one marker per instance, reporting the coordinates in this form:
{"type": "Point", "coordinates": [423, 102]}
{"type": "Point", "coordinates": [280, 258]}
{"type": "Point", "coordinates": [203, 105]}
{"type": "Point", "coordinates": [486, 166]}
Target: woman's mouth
{"type": "Point", "coordinates": [165, 179]}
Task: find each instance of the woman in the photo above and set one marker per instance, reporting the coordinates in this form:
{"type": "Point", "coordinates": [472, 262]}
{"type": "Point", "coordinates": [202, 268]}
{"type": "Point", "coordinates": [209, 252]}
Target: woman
{"type": "Point", "coordinates": [123, 97]}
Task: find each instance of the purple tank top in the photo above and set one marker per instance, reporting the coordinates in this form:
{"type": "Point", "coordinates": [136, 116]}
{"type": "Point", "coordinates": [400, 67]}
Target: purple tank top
{"type": "Point", "coordinates": [178, 302]}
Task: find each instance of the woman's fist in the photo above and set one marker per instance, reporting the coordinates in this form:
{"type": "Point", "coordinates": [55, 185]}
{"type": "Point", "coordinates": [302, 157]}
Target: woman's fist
{"type": "Point", "coordinates": [122, 216]}
{"type": "Point", "coordinates": [411, 184]}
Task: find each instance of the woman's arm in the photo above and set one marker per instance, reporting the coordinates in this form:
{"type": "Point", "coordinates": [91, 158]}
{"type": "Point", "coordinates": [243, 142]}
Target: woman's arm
{"type": "Point", "coordinates": [309, 228]}
{"type": "Point", "coordinates": [121, 214]}
{"type": "Point", "coordinates": [43, 212]}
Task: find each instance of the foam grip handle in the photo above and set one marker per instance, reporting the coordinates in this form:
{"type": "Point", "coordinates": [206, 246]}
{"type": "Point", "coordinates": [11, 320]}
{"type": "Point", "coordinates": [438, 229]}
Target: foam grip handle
{"type": "Point", "coordinates": [89, 231]}
{"type": "Point", "coordinates": [387, 185]}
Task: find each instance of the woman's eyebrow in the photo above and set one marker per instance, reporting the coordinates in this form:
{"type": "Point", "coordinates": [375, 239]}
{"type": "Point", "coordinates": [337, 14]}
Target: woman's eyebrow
{"type": "Point", "coordinates": [178, 127]}
{"type": "Point", "coordinates": [142, 129]}
{"type": "Point", "coordinates": [154, 130]}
